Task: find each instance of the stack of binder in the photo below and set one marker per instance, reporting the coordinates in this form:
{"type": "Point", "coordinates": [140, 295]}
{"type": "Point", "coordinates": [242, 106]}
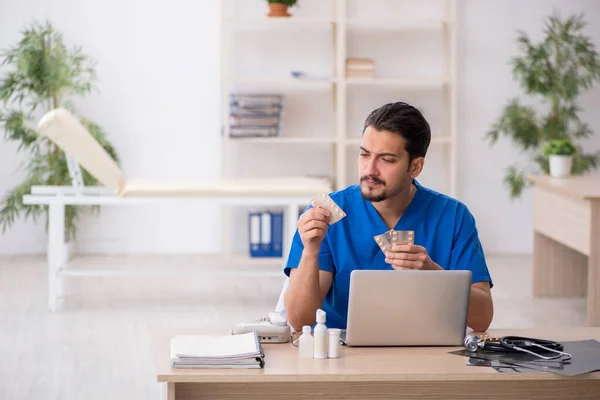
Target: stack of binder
{"type": "Point", "coordinates": [224, 351]}
{"type": "Point", "coordinates": [265, 233]}
{"type": "Point", "coordinates": [255, 115]}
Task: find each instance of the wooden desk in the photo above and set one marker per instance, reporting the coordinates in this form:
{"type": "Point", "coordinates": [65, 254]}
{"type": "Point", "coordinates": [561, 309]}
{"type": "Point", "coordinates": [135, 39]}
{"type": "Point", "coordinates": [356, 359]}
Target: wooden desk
{"type": "Point", "coordinates": [378, 373]}
{"type": "Point", "coordinates": [566, 252]}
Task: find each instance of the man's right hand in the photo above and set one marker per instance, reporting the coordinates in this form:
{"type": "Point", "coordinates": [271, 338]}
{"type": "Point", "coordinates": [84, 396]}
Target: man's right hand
{"type": "Point", "coordinates": [312, 227]}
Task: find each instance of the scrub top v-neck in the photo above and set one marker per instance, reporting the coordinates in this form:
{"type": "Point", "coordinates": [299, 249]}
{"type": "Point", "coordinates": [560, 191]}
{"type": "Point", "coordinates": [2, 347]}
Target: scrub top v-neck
{"type": "Point", "coordinates": [441, 224]}
{"type": "Point", "coordinates": [403, 222]}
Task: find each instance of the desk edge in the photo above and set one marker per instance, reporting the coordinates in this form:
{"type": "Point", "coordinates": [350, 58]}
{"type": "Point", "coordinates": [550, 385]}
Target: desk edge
{"type": "Point", "coordinates": [538, 181]}
{"type": "Point", "coordinates": [304, 378]}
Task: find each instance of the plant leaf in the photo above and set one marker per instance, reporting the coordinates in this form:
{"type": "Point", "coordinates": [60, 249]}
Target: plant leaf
{"type": "Point", "coordinates": [515, 181]}
{"type": "Point", "coordinates": [519, 123]}
{"type": "Point", "coordinates": [41, 74]}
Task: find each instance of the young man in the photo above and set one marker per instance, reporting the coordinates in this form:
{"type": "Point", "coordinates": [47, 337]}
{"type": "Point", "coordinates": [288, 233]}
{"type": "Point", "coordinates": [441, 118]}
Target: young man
{"type": "Point", "coordinates": [392, 152]}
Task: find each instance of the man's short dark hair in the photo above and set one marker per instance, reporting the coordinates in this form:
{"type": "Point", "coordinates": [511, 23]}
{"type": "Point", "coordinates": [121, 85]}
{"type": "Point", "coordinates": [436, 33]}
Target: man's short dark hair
{"type": "Point", "coordinates": [405, 120]}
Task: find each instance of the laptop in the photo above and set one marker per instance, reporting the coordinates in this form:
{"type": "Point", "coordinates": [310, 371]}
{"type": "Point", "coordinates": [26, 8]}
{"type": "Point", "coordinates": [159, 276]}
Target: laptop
{"type": "Point", "coordinates": [407, 308]}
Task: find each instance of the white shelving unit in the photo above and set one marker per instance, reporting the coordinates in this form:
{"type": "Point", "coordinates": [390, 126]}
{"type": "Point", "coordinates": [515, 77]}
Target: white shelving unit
{"type": "Point", "coordinates": [413, 45]}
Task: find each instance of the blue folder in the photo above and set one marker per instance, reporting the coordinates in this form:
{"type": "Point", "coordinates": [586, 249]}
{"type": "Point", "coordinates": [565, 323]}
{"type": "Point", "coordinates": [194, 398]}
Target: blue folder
{"type": "Point", "coordinates": [265, 233]}
{"type": "Point", "coordinates": [277, 234]}
{"type": "Point", "coordinates": [254, 234]}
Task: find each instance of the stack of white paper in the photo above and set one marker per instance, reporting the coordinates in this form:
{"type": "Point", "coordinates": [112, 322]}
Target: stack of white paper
{"type": "Point", "coordinates": [208, 351]}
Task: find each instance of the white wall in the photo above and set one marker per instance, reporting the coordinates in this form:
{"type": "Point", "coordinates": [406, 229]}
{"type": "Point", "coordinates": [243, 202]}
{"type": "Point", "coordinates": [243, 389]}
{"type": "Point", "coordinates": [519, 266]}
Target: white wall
{"type": "Point", "coordinates": [158, 65]}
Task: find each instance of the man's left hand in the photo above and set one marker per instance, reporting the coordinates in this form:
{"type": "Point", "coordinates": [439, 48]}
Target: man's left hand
{"type": "Point", "coordinates": [408, 257]}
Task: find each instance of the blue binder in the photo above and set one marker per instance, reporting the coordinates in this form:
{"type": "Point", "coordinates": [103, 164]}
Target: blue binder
{"type": "Point", "coordinates": [254, 234]}
{"type": "Point", "coordinates": [277, 234]}
{"type": "Point", "coordinates": [265, 234]}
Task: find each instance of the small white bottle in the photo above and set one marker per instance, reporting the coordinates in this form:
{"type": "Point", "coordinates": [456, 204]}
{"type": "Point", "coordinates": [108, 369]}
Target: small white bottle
{"type": "Point", "coordinates": [306, 343]}
{"type": "Point", "coordinates": [320, 335]}
{"type": "Point", "coordinates": [334, 342]}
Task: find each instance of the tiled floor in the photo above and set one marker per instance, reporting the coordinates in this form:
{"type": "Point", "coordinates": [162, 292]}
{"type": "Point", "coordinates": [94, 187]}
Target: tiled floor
{"type": "Point", "coordinates": [101, 345]}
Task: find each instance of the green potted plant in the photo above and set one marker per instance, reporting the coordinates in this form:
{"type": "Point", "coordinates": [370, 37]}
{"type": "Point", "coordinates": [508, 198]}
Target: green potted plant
{"type": "Point", "coordinates": [41, 73]}
{"type": "Point", "coordinates": [558, 69]}
{"type": "Point", "coordinates": [279, 8]}
{"type": "Point", "coordinates": [559, 153]}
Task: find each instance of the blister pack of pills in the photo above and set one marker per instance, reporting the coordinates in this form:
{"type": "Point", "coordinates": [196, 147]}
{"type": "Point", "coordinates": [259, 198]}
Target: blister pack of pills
{"type": "Point", "coordinates": [384, 242]}
{"type": "Point", "coordinates": [323, 200]}
{"type": "Point", "coordinates": [405, 237]}
{"type": "Point", "coordinates": [388, 239]}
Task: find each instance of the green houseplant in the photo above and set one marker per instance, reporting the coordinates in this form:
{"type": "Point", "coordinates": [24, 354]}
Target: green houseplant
{"type": "Point", "coordinates": [559, 153]}
{"type": "Point", "coordinates": [557, 69]}
{"type": "Point", "coordinates": [41, 73]}
{"type": "Point", "coordinates": [279, 8]}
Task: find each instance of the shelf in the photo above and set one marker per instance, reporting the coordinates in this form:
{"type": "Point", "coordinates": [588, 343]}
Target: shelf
{"type": "Point", "coordinates": [292, 83]}
{"type": "Point", "coordinates": [393, 25]}
{"type": "Point", "coordinates": [316, 140]}
{"type": "Point", "coordinates": [326, 83]}
{"type": "Point", "coordinates": [434, 140]}
{"type": "Point", "coordinates": [270, 22]}
{"type": "Point", "coordinates": [397, 82]}
{"type": "Point", "coordinates": [284, 140]}
{"type": "Point", "coordinates": [374, 25]}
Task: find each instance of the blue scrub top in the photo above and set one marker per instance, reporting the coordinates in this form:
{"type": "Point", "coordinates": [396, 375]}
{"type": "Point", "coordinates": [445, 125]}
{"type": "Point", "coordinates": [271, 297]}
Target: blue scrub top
{"type": "Point", "coordinates": [443, 225]}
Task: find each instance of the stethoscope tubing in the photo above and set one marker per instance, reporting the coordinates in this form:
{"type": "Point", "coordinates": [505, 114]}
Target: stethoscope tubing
{"type": "Point", "coordinates": [516, 344]}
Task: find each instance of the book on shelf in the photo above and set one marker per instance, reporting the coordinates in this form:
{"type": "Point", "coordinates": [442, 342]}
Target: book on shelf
{"type": "Point", "coordinates": [360, 63]}
{"type": "Point", "coordinates": [217, 351]}
{"type": "Point", "coordinates": [255, 114]}
{"type": "Point", "coordinates": [360, 68]}
{"type": "Point", "coordinates": [253, 131]}
{"type": "Point", "coordinates": [359, 74]}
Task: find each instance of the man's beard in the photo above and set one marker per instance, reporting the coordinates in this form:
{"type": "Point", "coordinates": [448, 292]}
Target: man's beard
{"type": "Point", "coordinates": [374, 197]}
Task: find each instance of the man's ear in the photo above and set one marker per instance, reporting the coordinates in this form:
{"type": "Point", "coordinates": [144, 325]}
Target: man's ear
{"type": "Point", "coordinates": [416, 166]}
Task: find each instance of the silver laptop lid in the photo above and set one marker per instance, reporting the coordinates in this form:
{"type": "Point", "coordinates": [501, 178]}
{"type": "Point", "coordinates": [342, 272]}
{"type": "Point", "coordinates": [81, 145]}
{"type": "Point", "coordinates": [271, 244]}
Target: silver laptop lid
{"type": "Point", "coordinates": [408, 308]}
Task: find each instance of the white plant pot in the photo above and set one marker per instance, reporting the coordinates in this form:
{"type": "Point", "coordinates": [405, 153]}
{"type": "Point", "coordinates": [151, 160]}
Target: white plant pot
{"type": "Point", "coordinates": [560, 166]}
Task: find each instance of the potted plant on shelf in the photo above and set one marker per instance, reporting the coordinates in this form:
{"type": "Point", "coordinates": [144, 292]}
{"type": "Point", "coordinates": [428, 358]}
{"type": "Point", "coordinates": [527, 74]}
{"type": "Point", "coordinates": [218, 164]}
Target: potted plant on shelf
{"type": "Point", "coordinates": [559, 68]}
{"type": "Point", "coordinates": [559, 153]}
{"type": "Point", "coordinates": [41, 74]}
{"type": "Point", "coordinates": [279, 8]}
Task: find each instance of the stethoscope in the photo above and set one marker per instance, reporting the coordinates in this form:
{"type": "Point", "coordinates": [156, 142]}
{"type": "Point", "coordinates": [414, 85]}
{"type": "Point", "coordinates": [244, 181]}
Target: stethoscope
{"type": "Point", "coordinates": [515, 344]}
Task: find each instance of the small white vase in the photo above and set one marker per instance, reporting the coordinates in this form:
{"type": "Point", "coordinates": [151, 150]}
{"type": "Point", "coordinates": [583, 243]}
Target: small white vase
{"type": "Point", "coordinates": [560, 166]}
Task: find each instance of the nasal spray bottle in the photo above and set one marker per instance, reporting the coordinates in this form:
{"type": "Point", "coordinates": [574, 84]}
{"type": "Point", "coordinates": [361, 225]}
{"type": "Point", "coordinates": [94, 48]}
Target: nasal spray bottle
{"type": "Point", "coordinates": [320, 335]}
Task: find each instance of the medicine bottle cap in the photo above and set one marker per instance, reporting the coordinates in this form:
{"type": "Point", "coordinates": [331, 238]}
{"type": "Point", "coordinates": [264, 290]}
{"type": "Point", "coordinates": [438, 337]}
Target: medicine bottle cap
{"type": "Point", "coordinates": [334, 331]}
{"type": "Point", "coordinates": [306, 329]}
{"type": "Point", "coordinates": [321, 315]}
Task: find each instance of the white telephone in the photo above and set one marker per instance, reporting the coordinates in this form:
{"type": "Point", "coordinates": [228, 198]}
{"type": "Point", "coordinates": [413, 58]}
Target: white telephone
{"type": "Point", "coordinates": [272, 329]}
